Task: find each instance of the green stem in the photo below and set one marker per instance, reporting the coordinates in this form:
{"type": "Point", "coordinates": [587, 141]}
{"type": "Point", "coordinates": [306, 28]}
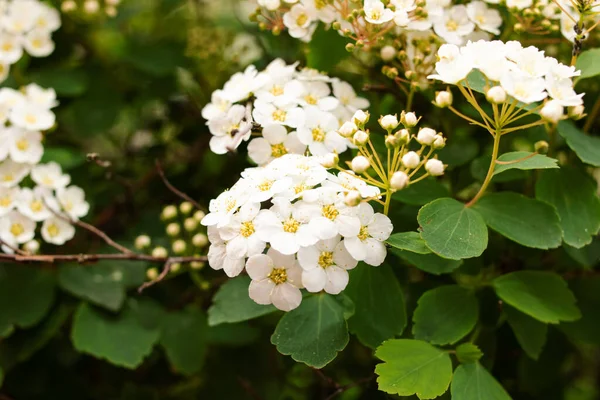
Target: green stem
{"type": "Point", "coordinates": [411, 95]}
{"type": "Point", "coordinates": [490, 173]}
{"type": "Point", "coordinates": [388, 199]}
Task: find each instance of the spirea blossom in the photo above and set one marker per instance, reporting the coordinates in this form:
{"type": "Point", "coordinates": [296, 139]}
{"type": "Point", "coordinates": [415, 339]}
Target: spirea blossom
{"type": "Point", "coordinates": [289, 226]}
{"type": "Point", "coordinates": [293, 109]}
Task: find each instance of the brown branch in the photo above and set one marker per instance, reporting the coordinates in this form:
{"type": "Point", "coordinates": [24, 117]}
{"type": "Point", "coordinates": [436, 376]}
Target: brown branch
{"type": "Point", "coordinates": [11, 247]}
{"type": "Point", "coordinates": [91, 258]}
{"type": "Point", "coordinates": [174, 189]}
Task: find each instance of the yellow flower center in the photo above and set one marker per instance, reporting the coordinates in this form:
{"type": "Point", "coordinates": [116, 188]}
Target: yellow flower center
{"type": "Point", "coordinates": [8, 177]}
{"type": "Point", "coordinates": [37, 43]}
{"type": "Point", "coordinates": [22, 144]}
{"type": "Point", "coordinates": [326, 259]}
{"type": "Point", "coordinates": [301, 19]}
{"type": "Point", "coordinates": [7, 46]}
{"type": "Point", "coordinates": [5, 201]}
{"type": "Point", "coordinates": [53, 230]}
{"type": "Point", "coordinates": [291, 225]}
{"type": "Point", "coordinates": [310, 99]}
{"type": "Point", "coordinates": [319, 4]}
{"type": "Point", "coordinates": [480, 19]}
{"type": "Point", "coordinates": [247, 229]}
{"type": "Point", "coordinates": [276, 90]}
{"type": "Point", "coordinates": [230, 205]}
{"type": "Point", "coordinates": [278, 150]}
{"type": "Point", "coordinates": [364, 233]}
{"type": "Point", "coordinates": [330, 212]}
{"type": "Point", "coordinates": [279, 115]}
{"type": "Point", "coordinates": [451, 25]}
{"type": "Point", "coordinates": [278, 276]}
{"type": "Point", "coordinates": [375, 15]}
{"type": "Point", "coordinates": [67, 205]}
{"type": "Point", "coordinates": [31, 119]}
{"type": "Point", "coordinates": [48, 181]}
{"type": "Point", "coordinates": [266, 185]}
{"type": "Point", "coordinates": [300, 188]}
{"type": "Point", "coordinates": [36, 206]}
{"type": "Point", "coordinates": [17, 229]}
{"type": "Point", "coordinates": [318, 135]}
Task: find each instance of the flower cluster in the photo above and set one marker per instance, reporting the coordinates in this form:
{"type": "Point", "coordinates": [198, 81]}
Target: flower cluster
{"type": "Point", "coordinates": [294, 109]}
{"type": "Point", "coordinates": [91, 7]}
{"type": "Point", "coordinates": [25, 25]}
{"type": "Point", "coordinates": [523, 73]}
{"type": "Point", "coordinates": [315, 229]}
{"type": "Point", "coordinates": [51, 201]}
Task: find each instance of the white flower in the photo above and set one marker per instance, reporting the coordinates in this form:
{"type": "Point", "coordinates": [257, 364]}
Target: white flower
{"type": "Point", "coordinates": [48, 18]}
{"type": "Point", "coordinates": [320, 10]}
{"type": "Point", "coordinates": [453, 66]}
{"type": "Point", "coordinates": [561, 91]}
{"type": "Point", "coordinates": [298, 21]}
{"type": "Point", "coordinates": [346, 181]}
{"type": "Point", "coordinates": [222, 208]}
{"type": "Point", "coordinates": [411, 160]}
{"type": "Point", "coordinates": [399, 180]}
{"type": "Point", "coordinates": [11, 98]}
{"type": "Point", "coordinates": [11, 173]}
{"type": "Point", "coordinates": [552, 111]}
{"type": "Point", "coordinates": [218, 106]}
{"type": "Point", "coordinates": [72, 201]}
{"type": "Point", "coordinates": [426, 136]}
{"type": "Point", "coordinates": [45, 98]}
{"type": "Point", "coordinates": [454, 25]}
{"type": "Point", "coordinates": [360, 164]}
{"type": "Point", "coordinates": [11, 49]}
{"type": "Point", "coordinates": [32, 117]}
{"type": "Point", "coordinates": [401, 18]}
{"type": "Point", "coordinates": [368, 245]}
{"type": "Point", "coordinates": [281, 92]}
{"type": "Point", "coordinates": [4, 71]}
{"type": "Point", "coordinates": [289, 114]}
{"type": "Point", "coordinates": [328, 212]}
{"type": "Point", "coordinates": [376, 12]}
{"type": "Point", "coordinates": [347, 129]}
{"type": "Point", "coordinates": [265, 183]}
{"type": "Point", "coordinates": [318, 94]}
{"type": "Point", "coordinates": [389, 122]}
{"type": "Point", "coordinates": [434, 167]}
{"type": "Point", "coordinates": [218, 257]}
{"type": "Point", "coordinates": [276, 279]}
{"type": "Point", "coordinates": [275, 143]}
{"type": "Point", "coordinates": [525, 89]}
{"type": "Point", "coordinates": [57, 231]}
{"type": "Point", "coordinates": [8, 199]}
{"type": "Point", "coordinates": [325, 266]}
{"type": "Point", "coordinates": [319, 133]}
{"type": "Point", "coordinates": [530, 62]}
{"type": "Point", "coordinates": [50, 176]}
{"type": "Point", "coordinates": [32, 203]}
{"type": "Point", "coordinates": [344, 92]}
{"type": "Point", "coordinates": [443, 99]}
{"type": "Point", "coordinates": [242, 84]}
{"type": "Point", "coordinates": [410, 120]}
{"type": "Point", "coordinates": [519, 4]}
{"type": "Point", "coordinates": [240, 233]}
{"type": "Point", "coordinates": [270, 5]}
{"type": "Point", "coordinates": [21, 16]}
{"type": "Point", "coordinates": [225, 127]}
{"type": "Point", "coordinates": [487, 19]}
{"type": "Point", "coordinates": [25, 146]}
{"type": "Point", "coordinates": [15, 228]}
{"type": "Point", "coordinates": [38, 43]}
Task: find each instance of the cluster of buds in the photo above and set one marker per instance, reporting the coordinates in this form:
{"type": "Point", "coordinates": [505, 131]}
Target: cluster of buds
{"type": "Point", "coordinates": [91, 7]}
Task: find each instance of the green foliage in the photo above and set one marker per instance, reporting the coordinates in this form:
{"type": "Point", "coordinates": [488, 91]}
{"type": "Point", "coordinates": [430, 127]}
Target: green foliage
{"type": "Point", "coordinates": [326, 50]}
{"type": "Point", "coordinates": [422, 192]}
{"type": "Point", "coordinates": [468, 353]}
{"type": "Point", "coordinates": [526, 161]}
{"type": "Point", "coordinates": [431, 263]}
{"type": "Point", "coordinates": [587, 63]}
{"type": "Point", "coordinates": [586, 147]}
{"type": "Point", "coordinates": [185, 338]}
{"type": "Point", "coordinates": [413, 367]}
{"type": "Point", "coordinates": [410, 241]}
{"type": "Point", "coordinates": [530, 333]}
{"type": "Point", "coordinates": [473, 382]}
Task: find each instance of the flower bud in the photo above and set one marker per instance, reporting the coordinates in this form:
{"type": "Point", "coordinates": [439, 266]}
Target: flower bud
{"type": "Point", "coordinates": [403, 136]}
{"type": "Point", "coordinates": [169, 212]}
{"type": "Point", "coordinates": [179, 246]}
{"type": "Point", "coordinates": [199, 240]}
{"type": "Point", "coordinates": [360, 164]}
{"type": "Point", "coordinates": [388, 53]}
{"type": "Point", "coordinates": [336, 25]}
{"type": "Point", "coordinates": [142, 242]}
{"type": "Point", "coordinates": [347, 129]}
{"type": "Point", "coordinates": [160, 252]}
{"type": "Point", "coordinates": [552, 111]}
{"type": "Point", "coordinates": [186, 207]}
{"type": "Point", "coordinates": [330, 160]}
{"type": "Point", "coordinates": [409, 119]}
{"type": "Point", "coordinates": [68, 5]}
{"type": "Point", "coordinates": [434, 167]}
{"type": "Point", "coordinates": [439, 142]}
{"type": "Point", "coordinates": [392, 142]}
{"type": "Point", "coordinates": [399, 180]}
{"type": "Point", "coordinates": [360, 138]}
{"type": "Point", "coordinates": [443, 99]}
{"type": "Point", "coordinates": [32, 247]}
{"type": "Point", "coordinates": [541, 147]}
{"type": "Point", "coordinates": [190, 224]}
{"type": "Point", "coordinates": [576, 112]}
{"type": "Point", "coordinates": [91, 6]}
{"type": "Point", "coordinates": [426, 136]}
{"type": "Point", "coordinates": [352, 198]}
{"type": "Point", "coordinates": [152, 273]}
{"type": "Point", "coordinates": [411, 160]}
{"type": "Point", "coordinates": [388, 122]}
{"type": "Point", "coordinates": [496, 95]}
{"type": "Point", "coordinates": [197, 265]}
{"type": "Point", "coordinates": [173, 229]}
{"type": "Point", "coordinates": [361, 117]}
{"type": "Point", "coordinates": [199, 215]}
{"type": "Point", "coordinates": [175, 267]}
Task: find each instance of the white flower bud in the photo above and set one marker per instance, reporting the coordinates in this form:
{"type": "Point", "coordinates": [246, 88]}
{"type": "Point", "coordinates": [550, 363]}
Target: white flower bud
{"type": "Point", "coordinates": [439, 142]}
{"type": "Point", "coordinates": [198, 215]}
{"type": "Point", "coordinates": [496, 95]}
{"type": "Point", "coordinates": [32, 247]}
{"type": "Point", "coordinates": [179, 246]}
{"type": "Point", "coordinates": [190, 224]}
{"type": "Point", "coordinates": [196, 265]}
{"type": "Point", "coordinates": [434, 167]}
{"type": "Point", "coordinates": [352, 198]}
{"type": "Point", "coordinates": [443, 99]}
{"type": "Point", "coordinates": [169, 212]}
{"type": "Point", "coordinates": [403, 136]}
{"type": "Point", "coordinates": [360, 117]}
{"type": "Point", "coordinates": [577, 112]}
{"type": "Point", "coordinates": [360, 138]}
{"type": "Point", "coordinates": [186, 207]}
{"type": "Point", "coordinates": [110, 11]}
{"type": "Point", "coordinates": [142, 241]}
{"type": "Point", "coordinates": [388, 53]}
{"type": "Point", "coordinates": [392, 142]}
{"type": "Point", "coordinates": [411, 160]}
{"type": "Point", "coordinates": [91, 6]}
{"type": "Point", "coordinates": [175, 267]}
{"type": "Point", "coordinates": [68, 5]}
{"type": "Point", "coordinates": [399, 180]}
{"type": "Point", "coordinates": [426, 136]}
{"type": "Point", "coordinates": [347, 129]}
{"type": "Point", "coordinates": [409, 119]}
{"type": "Point", "coordinates": [360, 164]}
{"type": "Point", "coordinates": [388, 122]}
{"type": "Point", "coordinates": [173, 229]}
{"type": "Point", "coordinates": [160, 252]}
{"type": "Point", "coordinates": [152, 273]}
{"type": "Point", "coordinates": [330, 160]}
{"type": "Point", "coordinates": [552, 111]}
{"type": "Point", "coordinates": [199, 240]}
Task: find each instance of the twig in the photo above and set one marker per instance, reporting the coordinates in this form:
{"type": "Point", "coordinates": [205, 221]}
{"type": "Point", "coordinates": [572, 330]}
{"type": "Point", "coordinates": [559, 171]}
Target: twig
{"type": "Point", "coordinates": [174, 189]}
{"type": "Point", "coordinates": [95, 158]}
{"type": "Point", "coordinates": [91, 258]}
{"type": "Point", "coordinates": [13, 248]}
{"type": "Point", "coordinates": [160, 277]}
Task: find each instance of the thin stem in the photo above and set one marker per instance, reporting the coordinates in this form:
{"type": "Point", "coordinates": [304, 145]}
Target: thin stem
{"type": "Point", "coordinates": [409, 99]}
{"type": "Point", "coordinates": [490, 173]}
{"type": "Point", "coordinates": [388, 199]}
{"type": "Point", "coordinates": [173, 189]}
{"type": "Point", "coordinates": [471, 120]}
{"type": "Point", "coordinates": [518, 128]}
{"type": "Point", "coordinates": [420, 178]}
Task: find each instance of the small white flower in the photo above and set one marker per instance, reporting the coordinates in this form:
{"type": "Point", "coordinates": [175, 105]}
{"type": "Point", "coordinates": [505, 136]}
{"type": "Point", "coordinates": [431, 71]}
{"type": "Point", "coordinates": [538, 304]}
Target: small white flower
{"type": "Point", "coordinates": [360, 138]}
{"type": "Point", "coordinates": [443, 99]}
{"type": "Point", "coordinates": [240, 233]}
{"type": "Point", "coordinates": [275, 143]}
{"type": "Point", "coordinates": [320, 10]}
{"type": "Point", "coordinates": [525, 89]}
{"type": "Point", "coordinates": [11, 49]}
{"type": "Point", "coordinates": [453, 66]}
{"type": "Point", "coordinates": [45, 98]}
{"type": "Point", "coordinates": [519, 4]}
{"type": "Point", "coordinates": [218, 106]}
{"type": "Point", "coordinates": [360, 117]}
{"type": "Point", "coordinates": [399, 180]}
{"type": "Point", "coordinates": [411, 160]}
{"type": "Point", "coordinates": [222, 208]}
{"type": "Point", "coordinates": [280, 91]}
{"type": "Point", "coordinates": [38, 43]}
{"type": "Point", "coordinates": [11, 173]}
{"type": "Point", "coordinates": [276, 279]}
{"type": "Point", "coordinates": [266, 113]}
{"type": "Point", "coordinates": [368, 245]}
{"type": "Point", "coordinates": [57, 231]}
{"type": "Point", "coordinates": [344, 92]}
{"type": "Point", "coordinates": [270, 5]}
{"type": "Point", "coordinates": [48, 18]}
{"type": "Point", "coordinates": [318, 94]}
{"type": "Point", "coordinates": [25, 146]}
{"type": "Point", "coordinates": [410, 119]}
{"type": "Point", "coordinates": [72, 201]}
{"type": "Point", "coordinates": [32, 117]}
{"type": "Point", "coordinates": [401, 18]}
{"type": "Point", "coordinates": [561, 91]}
{"type": "Point", "coordinates": [346, 181]}
{"type": "Point", "coordinates": [298, 21]}
{"type": "Point", "coordinates": [50, 176]}
{"type": "Point", "coordinates": [319, 133]}
{"type": "Point", "coordinates": [265, 183]}
{"type": "Point", "coordinates": [329, 214]}
{"type": "Point", "coordinates": [242, 84]}
{"type": "Point", "coordinates": [32, 203]}
{"type": "Point", "coordinates": [8, 199]}
{"type": "Point", "coordinates": [15, 228]}
{"type": "Point", "coordinates": [552, 111]}
{"type": "Point", "coordinates": [426, 136]}
{"type": "Point", "coordinates": [487, 19]}
{"type": "Point", "coordinates": [219, 259]}
{"type": "Point", "coordinates": [454, 25]}
{"type": "Point", "coordinates": [434, 167]}
{"type": "Point", "coordinates": [347, 129]}
{"type": "Point", "coordinates": [376, 12]}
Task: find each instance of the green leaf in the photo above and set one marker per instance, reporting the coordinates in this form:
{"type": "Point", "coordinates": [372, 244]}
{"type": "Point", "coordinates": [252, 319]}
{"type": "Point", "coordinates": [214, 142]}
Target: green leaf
{"type": "Point", "coordinates": [413, 367]}
{"type": "Point", "coordinates": [541, 295]}
{"type": "Point", "coordinates": [316, 331]}
{"type": "Point", "coordinates": [326, 49]}
{"type": "Point", "coordinates": [26, 295]}
{"type": "Point", "coordinates": [157, 59]}
{"type": "Point", "coordinates": [476, 81]}
{"type": "Point", "coordinates": [125, 339]}
{"type": "Point", "coordinates": [431, 263]}
{"type": "Point", "coordinates": [67, 158]}
{"type": "Point", "coordinates": [586, 147]}
{"type": "Point", "coordinates": [410, 241]}
{"type": "Point", "coordinates": [528, 161]}
{"type": "Point", "coordinates": [468, 353]}
{"type": "Point", "coordinates": [473, 382]}
{"type": "Point", "coordinates": [422, 192]}
{"type": "Point", "coordinates": [452, 230]}
{"type": "Point", "coordinates": [100, 284]}
{"type": "Point", "coordinates": [379, 305]}
{"type": "Point", "coordinates": [232, 304]}
{"type": "Point", "coordinates": [529, 222]}
{"type": "Point", "coordinates": [573, 194]}
{"type": "Point", "coordinates": [530, 333]}
{"type": "Point", "coordinates": [586, 329]}
{"type": "Point", "coordinates": [459, 152]}
{"type": "Point", "coordinates": [240, 334]}
{"type": "Point", "coordinates": [67, 83]}
{"type": "Point", "coordinates": [587, 256]}
{"type": "Point", "coordinates": [184, 338]}
{"type": "Point", "coordinates": [445, 315]}
{"type": "Point", "coordinates": [589, 63]}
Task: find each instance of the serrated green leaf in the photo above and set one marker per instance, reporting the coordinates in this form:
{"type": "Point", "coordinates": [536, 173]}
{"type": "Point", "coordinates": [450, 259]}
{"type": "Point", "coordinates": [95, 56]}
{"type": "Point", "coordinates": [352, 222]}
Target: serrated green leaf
{"type": "Point", "coordinates": [468, 353]}
{"type": "Point", "coordinates": [530, 333]}
{"type": "Point", "coordinates": [431, 263]}
{"type": "Point", "coordinates": [529, 222]}
{"type": "Point", "coordinates": [574, 197]}
{"type": "Point", "coordinates": [184, 338]}
{"type": "Point", "coordinates": [539, 294]}
{"type": "Point", "coordinates": [479, 168]}
{"type": "Point", "coordinates": [232, 304]}
{"type": "Point", "coordinates": [588, 256]}
{"type": "Point", "coordinates": [100, 284]}
{"type": "Point", "coordinates": [528, 161]}
{"type": "Point", "coordinates": [445, 315]}
{"type": "Point", "coordinates": [124, 339]}
{"type": "Point", "coordinates": [473, 382]}
{"type": "Point", "coordinates": [587, 147]}
{"type": "Point", "coordinates": [452, 230]}
{"type": "Point", "coordinates": [316, 331]}
{"type": "Point", "coordinates": [410, 241]}
{"type": "Point", "coordinates": [588, 63]}
{"type": "Point", "coordinates": [379, 305]}
{"type": "Point", "coordinates": [26, 295]}
{"type": "Point", "coordinates": [413, 367]}
{"type": "Point", "coordinates": [421, 193]}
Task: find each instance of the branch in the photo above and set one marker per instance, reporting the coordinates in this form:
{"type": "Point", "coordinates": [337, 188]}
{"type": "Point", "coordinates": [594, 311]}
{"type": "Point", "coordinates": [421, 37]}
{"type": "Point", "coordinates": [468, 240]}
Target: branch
{"type": "Point", "coordinates": [90, 258]}
{"type": "Point", "coordinates": [174, 189]}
